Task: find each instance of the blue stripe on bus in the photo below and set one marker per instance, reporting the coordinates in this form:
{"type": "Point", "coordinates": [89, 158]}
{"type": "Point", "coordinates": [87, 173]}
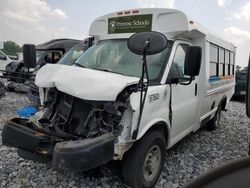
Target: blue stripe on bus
{"type": "Point", "coordinates": [214, 79]}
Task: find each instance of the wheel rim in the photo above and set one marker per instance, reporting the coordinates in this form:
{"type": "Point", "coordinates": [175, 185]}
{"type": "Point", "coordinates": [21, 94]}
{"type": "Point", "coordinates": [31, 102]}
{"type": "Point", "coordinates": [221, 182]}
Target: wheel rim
{"type": "Point", "coordinates": [152, 163]}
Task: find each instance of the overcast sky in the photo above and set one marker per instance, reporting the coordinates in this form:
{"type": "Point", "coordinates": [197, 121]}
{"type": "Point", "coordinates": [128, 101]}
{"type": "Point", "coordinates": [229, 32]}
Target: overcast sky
{"type": "Point", "coordinates": [37, 21]}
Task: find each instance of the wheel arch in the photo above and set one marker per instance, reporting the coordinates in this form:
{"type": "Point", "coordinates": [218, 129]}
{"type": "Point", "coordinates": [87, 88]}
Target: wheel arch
{"type": "Point", "coordinates": [159, 125]}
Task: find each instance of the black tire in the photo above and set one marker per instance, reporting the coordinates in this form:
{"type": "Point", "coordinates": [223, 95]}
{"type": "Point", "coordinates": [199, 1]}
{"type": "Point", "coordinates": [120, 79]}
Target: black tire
{"type": "Point", "coordinates": [215, 121]}
{"type": "Point", "coordinates": [134, 161]}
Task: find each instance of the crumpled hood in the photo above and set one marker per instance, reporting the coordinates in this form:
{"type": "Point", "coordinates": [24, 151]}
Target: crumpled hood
{"type": "Point", "coordinates": [83, 83]}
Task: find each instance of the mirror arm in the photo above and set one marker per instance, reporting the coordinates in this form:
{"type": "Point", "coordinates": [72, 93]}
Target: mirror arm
{"type": "Point", "coordinates": [189, 82]}
{"type": "Point", "coordinates": [147, 43]}
{"type": "Point", "coordinates": [143, 88]}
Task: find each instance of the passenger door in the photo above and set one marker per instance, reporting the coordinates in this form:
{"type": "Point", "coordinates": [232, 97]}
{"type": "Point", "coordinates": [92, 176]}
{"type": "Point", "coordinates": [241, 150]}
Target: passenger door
{"type": "Point", "coordinates": [184, 97]}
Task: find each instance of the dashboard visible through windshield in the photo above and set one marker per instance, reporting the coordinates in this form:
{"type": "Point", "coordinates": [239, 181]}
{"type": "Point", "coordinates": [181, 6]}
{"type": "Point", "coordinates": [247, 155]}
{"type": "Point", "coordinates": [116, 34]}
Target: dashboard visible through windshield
{"type": "Point", "coordinates": [114, 56]}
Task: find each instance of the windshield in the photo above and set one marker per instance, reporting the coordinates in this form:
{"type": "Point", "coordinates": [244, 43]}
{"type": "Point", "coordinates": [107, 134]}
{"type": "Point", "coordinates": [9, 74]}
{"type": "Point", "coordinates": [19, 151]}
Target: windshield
{"type": "Point", "coordinates": [39, 54]}
{"type": "Point", "coordinates": [114, 56]}
{"type": "Point", "coordinates": [72, 55]}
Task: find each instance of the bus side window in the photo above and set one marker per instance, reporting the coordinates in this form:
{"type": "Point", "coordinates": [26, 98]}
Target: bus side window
{"type": "Point", "coordinates": [177, 67]}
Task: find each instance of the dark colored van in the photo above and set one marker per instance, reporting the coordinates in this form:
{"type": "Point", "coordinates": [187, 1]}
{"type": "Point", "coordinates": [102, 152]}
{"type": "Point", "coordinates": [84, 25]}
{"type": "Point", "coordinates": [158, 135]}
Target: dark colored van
{"type": "Point", "coordinates": [48, 52]}
{"type": "Point", "coordinates": [241, 81]}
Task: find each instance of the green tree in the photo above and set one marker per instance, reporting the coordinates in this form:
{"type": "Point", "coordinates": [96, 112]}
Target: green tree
{"type": "Point", "coordinates": [11, 48]}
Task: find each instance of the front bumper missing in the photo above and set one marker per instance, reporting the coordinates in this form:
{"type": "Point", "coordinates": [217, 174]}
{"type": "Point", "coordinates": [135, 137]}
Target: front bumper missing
{"type": "Point", "coordinates": [77, 155]}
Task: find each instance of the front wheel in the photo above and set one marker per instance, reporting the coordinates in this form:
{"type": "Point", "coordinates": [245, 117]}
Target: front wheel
{"type": "Point", "coordinates": [143, 163]}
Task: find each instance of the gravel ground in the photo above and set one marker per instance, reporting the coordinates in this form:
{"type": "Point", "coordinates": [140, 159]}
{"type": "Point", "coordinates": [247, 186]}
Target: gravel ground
{"type": "Point", "coordinates": [193, 156]}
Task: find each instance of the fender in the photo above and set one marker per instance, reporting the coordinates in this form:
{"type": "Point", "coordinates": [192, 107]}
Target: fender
{"type": "Point", "coordinates": [151, 124]}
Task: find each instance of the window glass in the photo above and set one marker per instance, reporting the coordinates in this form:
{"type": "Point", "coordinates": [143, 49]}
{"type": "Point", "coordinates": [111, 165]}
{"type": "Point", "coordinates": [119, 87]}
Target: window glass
{"type": "Point", "coordinates": [114, 56]}
{"type": "Point", "coordinates": [179, 58]}
{"type": "Point", "coordinates": [221, 67]}
{"type": "Point", "coordinates": [227, 61]}
{"type": "Point", "coordinates": [231, 58]}
{"type": "Point", "coordinates": [227, 57]}
{"type": "Point", "coordinates": [213, 60]}
{"type": "Point", "coordinates": [1, 54]}
{"type": "Point", "coordinates": [39, 54]}
{"type": "Point", "coordinates": [52, 57]}
{"type": "Point", "coordinates": [213, 53]}
{"type": "Point", "coordinates": [227, 67]}
{"type": "Point", "coordinates": [213, 69]}
{"type": "Point", "coordinates": [177, 67]}
{"type": "Point", "coordinates": [231, 69]}
{"type": "Point", "coordinates": [232, 62]}
{"type": "Point", "coordinates": [56, 56]}
{"type": "Point", "coordinates": [221, 55]}
{"type": "Point", "coordinates": [221, 61]}
{"type": "Point", "coordinates": [72, 55]}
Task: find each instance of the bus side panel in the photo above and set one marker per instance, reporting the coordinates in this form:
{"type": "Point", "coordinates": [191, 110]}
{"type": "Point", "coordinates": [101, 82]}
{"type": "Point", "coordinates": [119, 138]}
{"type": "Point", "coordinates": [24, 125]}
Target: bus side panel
{"type": "Point", "coordinates": [201, 87]}
{"type": "Point", "coordinates": [216, 90]}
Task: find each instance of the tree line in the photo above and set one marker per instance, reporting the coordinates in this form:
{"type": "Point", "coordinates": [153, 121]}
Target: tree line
{"type": "Point", "coordinates": [11, 48]}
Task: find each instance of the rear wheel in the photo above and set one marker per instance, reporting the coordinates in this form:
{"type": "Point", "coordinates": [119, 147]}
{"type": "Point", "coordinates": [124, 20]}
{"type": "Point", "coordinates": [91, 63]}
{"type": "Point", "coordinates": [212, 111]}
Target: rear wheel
{"type": "Point", "coordinates": [215, 121]}
{"type": "Point", "coordinates": [143, 163]}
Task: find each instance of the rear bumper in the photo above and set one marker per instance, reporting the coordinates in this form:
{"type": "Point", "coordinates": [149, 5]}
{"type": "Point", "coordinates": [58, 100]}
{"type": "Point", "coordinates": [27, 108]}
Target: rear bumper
{"type": "Point", "coordinates": [77, 155]}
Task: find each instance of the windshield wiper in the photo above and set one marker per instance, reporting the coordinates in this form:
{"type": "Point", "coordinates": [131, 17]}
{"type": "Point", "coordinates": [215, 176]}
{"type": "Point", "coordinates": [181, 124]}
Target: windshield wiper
{"type": "Point", "coordinates": [79, 65]}
{"type": "Point", "coordinates": [105, 70]}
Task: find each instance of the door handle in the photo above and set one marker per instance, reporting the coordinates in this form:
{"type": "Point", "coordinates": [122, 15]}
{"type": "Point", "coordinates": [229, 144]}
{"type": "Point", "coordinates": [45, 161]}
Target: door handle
{"type": "Point", "coordinates": [196, 88]}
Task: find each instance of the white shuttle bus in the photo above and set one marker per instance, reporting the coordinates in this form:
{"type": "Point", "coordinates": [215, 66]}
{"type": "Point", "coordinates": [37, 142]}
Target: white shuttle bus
{"type": "Point", "coordinates": [112, 105]}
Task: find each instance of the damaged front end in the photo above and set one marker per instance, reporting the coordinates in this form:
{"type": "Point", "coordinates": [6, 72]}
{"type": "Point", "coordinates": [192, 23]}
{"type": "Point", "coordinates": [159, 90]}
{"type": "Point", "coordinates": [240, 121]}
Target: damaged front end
{"type": "Point", "coordinates": [75, 134]}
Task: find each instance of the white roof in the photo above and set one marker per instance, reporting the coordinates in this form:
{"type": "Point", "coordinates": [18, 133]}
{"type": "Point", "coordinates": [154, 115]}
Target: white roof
{"type": "Point", "coordinates": [172, 23]}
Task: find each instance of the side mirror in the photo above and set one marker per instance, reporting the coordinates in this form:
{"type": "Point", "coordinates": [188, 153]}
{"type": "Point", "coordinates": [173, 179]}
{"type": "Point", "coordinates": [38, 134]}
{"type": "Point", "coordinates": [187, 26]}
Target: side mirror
{"type": "Point", "coordinates": [29, 55]}
{"type": "Point", "coordinates": [248, 90]}
{"type": "Point", "coordinates": [147, 43]}
{"type": "Point", "coordinates": [193, 61]}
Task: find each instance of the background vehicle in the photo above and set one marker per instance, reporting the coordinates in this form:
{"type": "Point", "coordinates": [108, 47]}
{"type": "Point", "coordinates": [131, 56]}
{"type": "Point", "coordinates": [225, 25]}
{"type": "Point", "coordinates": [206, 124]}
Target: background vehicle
{"type": "Point", "coordinates": [109, 105]}
{"type": "Point", "coordinates": [4, 61]}
{"type": "Point", "coordinates": [68, 59]}
{"type": "Point", "coordinates": [241, 81]}
{"type": "Point", "coordinates": [76, 51]}
{"type": "Point", "coordinates": [48, 52]}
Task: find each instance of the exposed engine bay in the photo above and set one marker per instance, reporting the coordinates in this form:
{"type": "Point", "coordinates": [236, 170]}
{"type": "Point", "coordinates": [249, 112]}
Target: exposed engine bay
{"type": "Point", "coordinates": [74, 133]}
{"type": "Point", "coordinates": [69, 117]}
